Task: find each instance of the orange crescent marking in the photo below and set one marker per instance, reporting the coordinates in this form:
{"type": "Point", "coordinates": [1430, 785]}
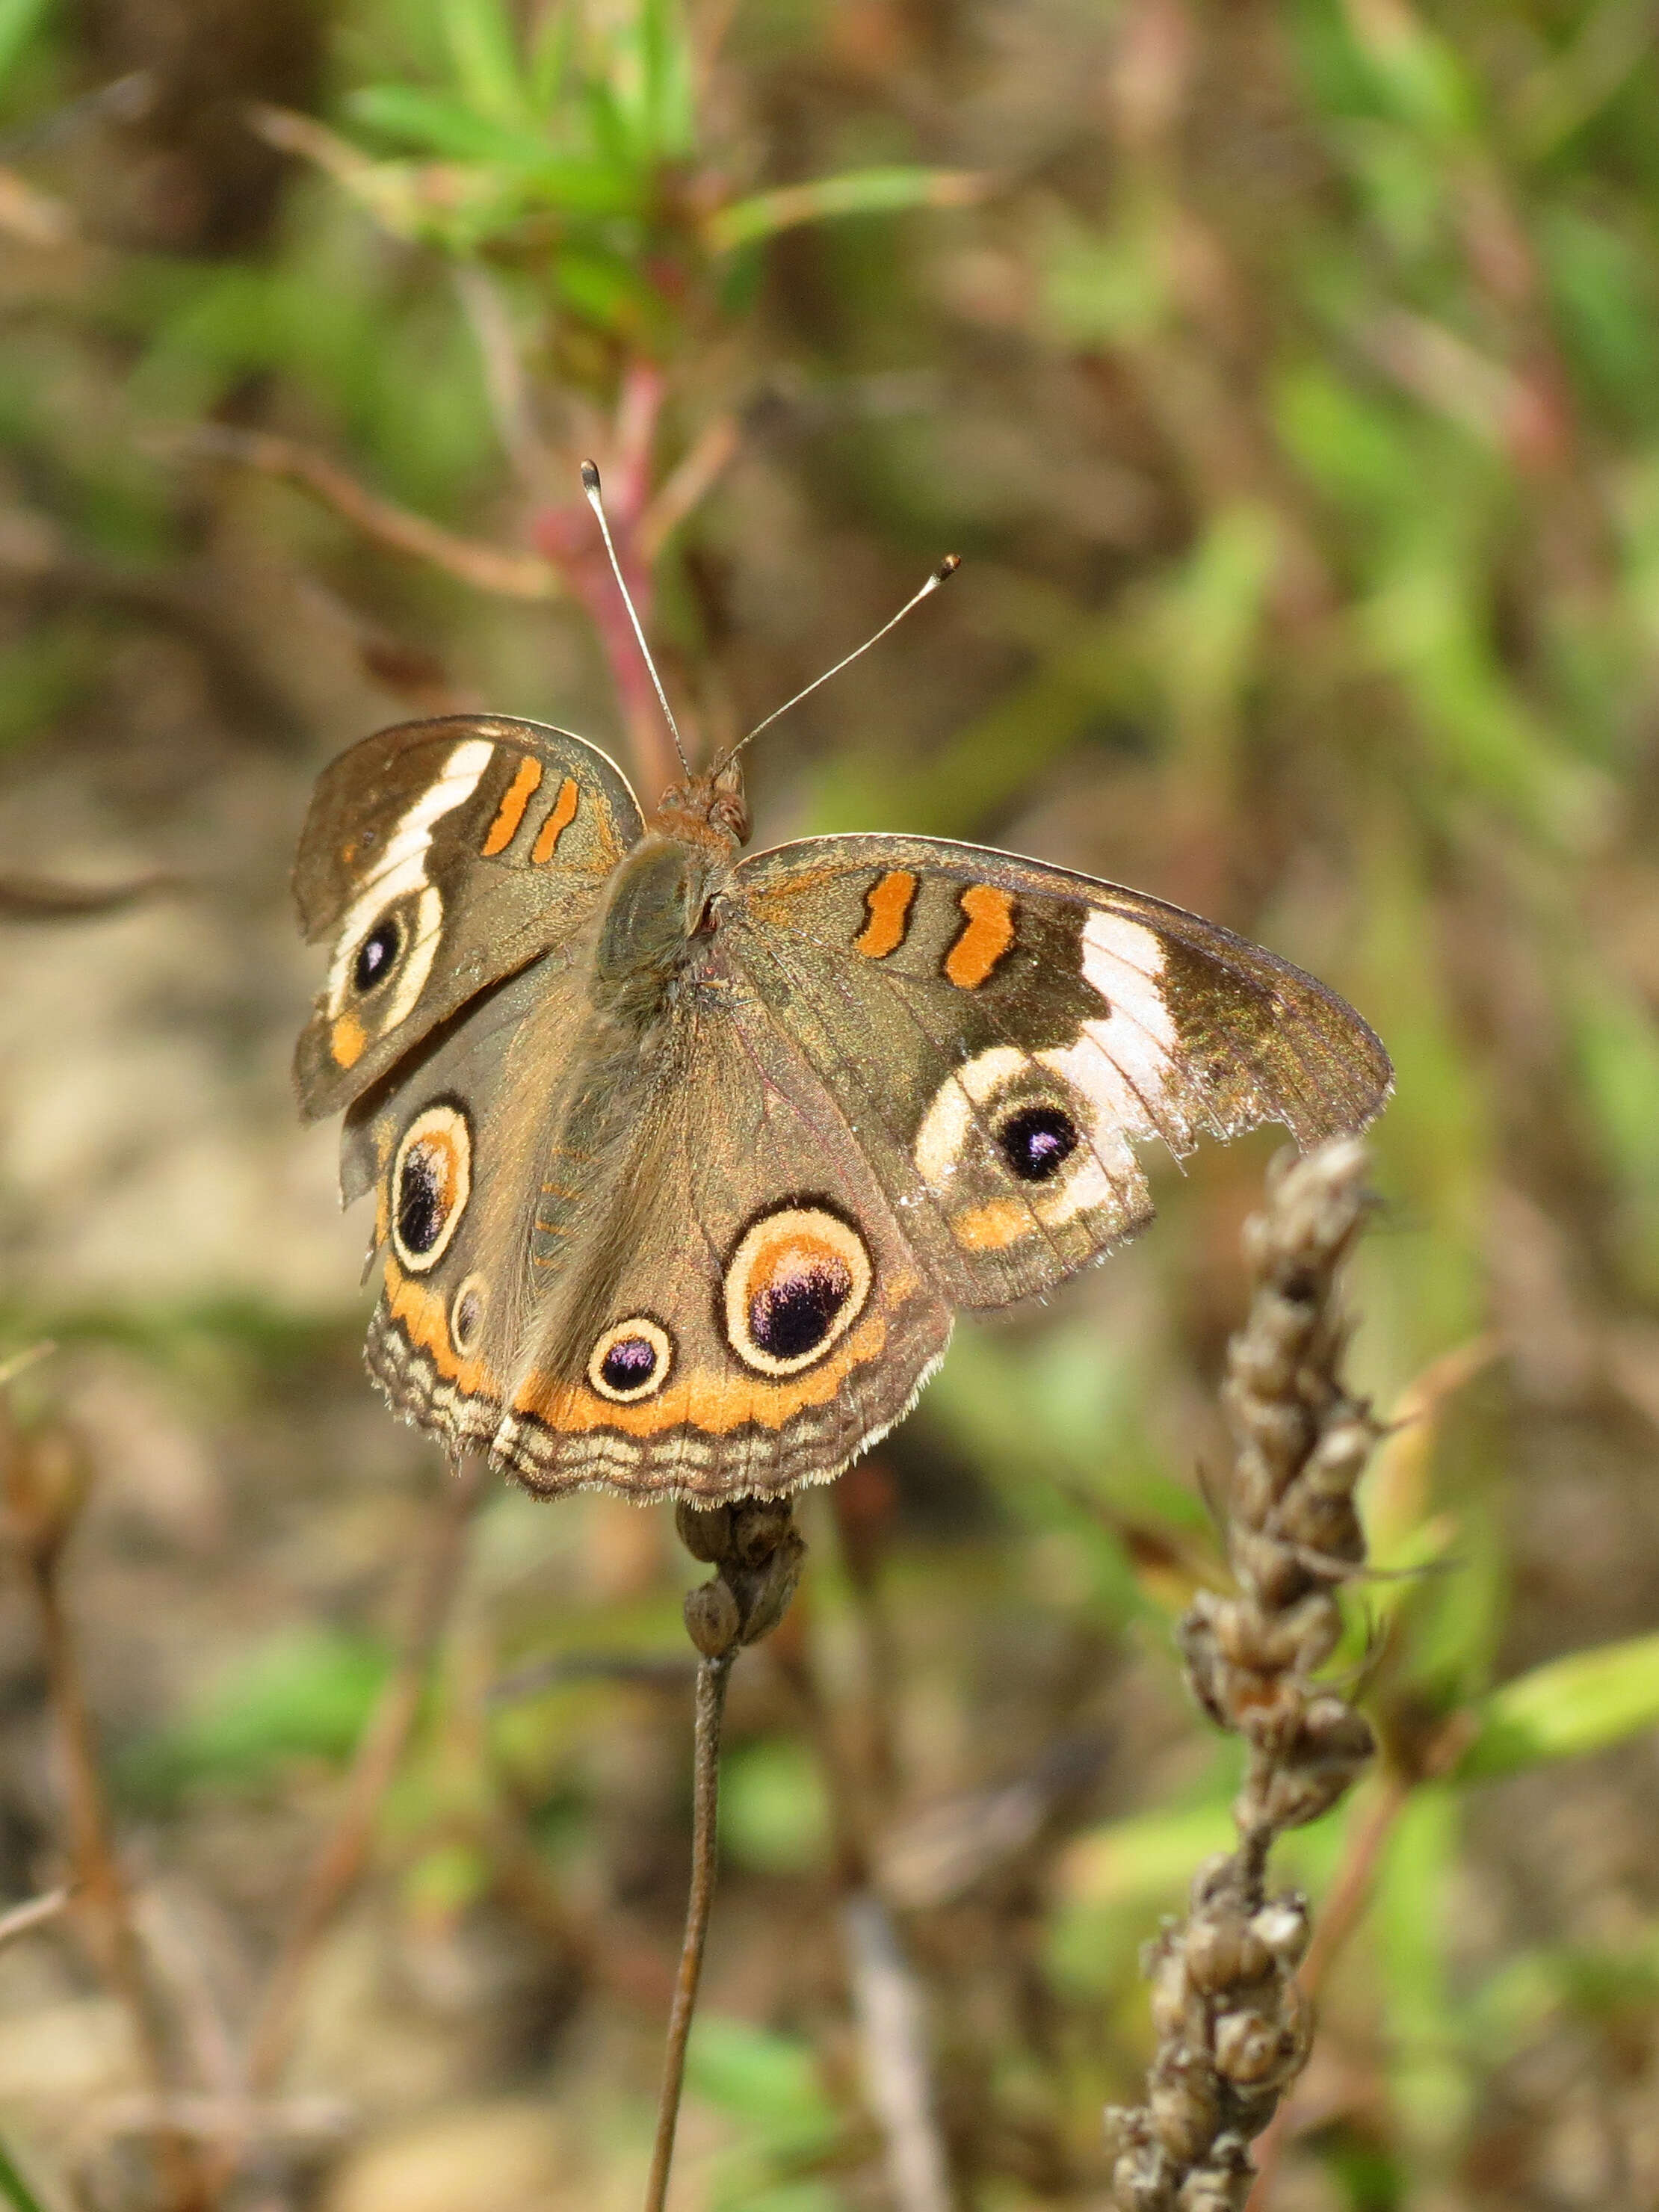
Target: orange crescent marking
{"type": "Point", "coordinates": [515, 799]}
{"type": "Point", "coordinates": [559, 820]}
{"type": "Point", "coordinates": [993, 1228]}
{"type": "Point", "coordinates": [347, 1041]}
{"type": "Point", "coordinates": [888, 904]}
{"type": "Point", "coordinates": [989, 933]}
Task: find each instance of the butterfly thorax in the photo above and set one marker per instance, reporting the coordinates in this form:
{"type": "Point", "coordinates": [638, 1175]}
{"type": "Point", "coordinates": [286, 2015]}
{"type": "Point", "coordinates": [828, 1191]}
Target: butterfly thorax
{"type": "Point", "coordinates": [656, 900]}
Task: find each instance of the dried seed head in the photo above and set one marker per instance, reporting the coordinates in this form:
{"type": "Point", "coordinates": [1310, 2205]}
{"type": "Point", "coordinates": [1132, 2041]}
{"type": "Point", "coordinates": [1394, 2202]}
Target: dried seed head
{"type": "Point", "coordinates": [1281, 1432]}
{"type": "Point", "coordinates": [1211, 2189]}
{"type": "Point", "coordinates": [1171, 1995]}
{"type": "Point", "coordinates": [1251, 2047]}
{"type": "Point", "coordinates": [705, 1530]}
{"type": "Point", "coordinates": [759, 1525]}
{"type": "Point", "coordinates": [712, 1620]}
{"type": "Point", "coordinates": [1183, 2112]}
{"type": "Point", "coordinates": [1221, 1952]}
{"type": "Point", "coordinates": [764, 1592]}
{"type": "Point", "coordinates": [1283, 1927]}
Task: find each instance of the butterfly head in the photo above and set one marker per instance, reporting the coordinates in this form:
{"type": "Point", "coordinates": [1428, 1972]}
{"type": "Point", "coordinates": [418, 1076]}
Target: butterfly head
{"type": "Point", "coordinates": [709, 811]}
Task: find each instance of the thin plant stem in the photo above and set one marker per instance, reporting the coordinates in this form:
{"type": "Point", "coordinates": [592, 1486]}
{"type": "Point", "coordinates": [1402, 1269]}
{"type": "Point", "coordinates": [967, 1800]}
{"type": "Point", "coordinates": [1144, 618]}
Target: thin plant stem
{"type": "Point", "coordinates": [100, 1883]}
{"type": "Point", "coordinates": [713, 1675]}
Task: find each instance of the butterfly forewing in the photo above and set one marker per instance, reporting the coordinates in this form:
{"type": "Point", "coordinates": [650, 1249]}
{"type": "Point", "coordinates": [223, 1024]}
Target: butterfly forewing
{"type": "Point", "coordinates": [1003, 1034]}
{"type": "Point", "coordinates": [439, 857]}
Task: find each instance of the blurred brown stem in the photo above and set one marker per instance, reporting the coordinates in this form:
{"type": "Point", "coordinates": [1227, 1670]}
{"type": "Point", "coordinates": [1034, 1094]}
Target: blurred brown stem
{"type": "Point", "coordinates": [336, 1870]}
{"type": "Point", "coordinates": [101, 1890]}
{"type": "Point", "coordinates": [18, 1919]}
{"type": "Point", "coordinates": [486, 567]}
{"type": "Point", "coordinates": [887, 2002]}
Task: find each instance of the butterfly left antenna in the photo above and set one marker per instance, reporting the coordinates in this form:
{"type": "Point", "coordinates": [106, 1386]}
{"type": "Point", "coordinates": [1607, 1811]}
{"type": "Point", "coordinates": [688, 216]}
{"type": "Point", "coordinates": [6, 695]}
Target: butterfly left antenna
{"type": "Point", "coordinates": [590, 487]}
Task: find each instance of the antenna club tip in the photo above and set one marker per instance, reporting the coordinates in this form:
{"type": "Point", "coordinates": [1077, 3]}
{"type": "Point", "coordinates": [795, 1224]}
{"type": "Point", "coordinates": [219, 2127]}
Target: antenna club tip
{"type": "Point", "coordinates": [590, 476]}
{"type": "Point", "coordinates": [947, 567]}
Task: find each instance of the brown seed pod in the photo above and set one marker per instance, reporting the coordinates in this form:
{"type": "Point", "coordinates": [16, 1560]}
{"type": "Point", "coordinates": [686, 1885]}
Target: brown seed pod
{"type": "Point", "coordinates": [712, 1620]}
{"type": "Point", "coordinates": [1250, 2047]}
{"type": "Point", "coordinates": [705, 1530]}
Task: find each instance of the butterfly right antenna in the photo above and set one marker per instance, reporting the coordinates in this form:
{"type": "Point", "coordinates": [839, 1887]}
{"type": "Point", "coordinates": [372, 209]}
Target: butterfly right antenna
{"type": "Point", "coordinates": [947, 567]}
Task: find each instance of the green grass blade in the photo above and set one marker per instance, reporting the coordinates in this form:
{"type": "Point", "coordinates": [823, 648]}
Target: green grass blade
{"type": "Point", "coordinates": [862, 191]}
{"type": "Point", "coordinates": [1565, 1709]}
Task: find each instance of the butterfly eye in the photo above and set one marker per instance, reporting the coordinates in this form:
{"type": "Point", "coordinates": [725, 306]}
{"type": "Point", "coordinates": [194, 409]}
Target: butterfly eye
{"type": "Point", "coordinates": [431, 1183]}
{"type": "Point", "coordinates": [1037, 1141]}
{"type": "Point", "coordinates": [797, 1282]}
{"type": "Point", "coordinates": [631, 1360]}
{"type": "Point", "coordinates": [376, 954]}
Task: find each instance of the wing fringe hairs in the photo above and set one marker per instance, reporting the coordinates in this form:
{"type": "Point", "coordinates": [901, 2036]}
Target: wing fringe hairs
{"type": "Point", "coordinates": [1233, 2029]}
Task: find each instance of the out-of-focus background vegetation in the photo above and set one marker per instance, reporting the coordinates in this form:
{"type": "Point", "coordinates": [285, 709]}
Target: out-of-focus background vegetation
{"type": "Point", "coordinates": [1287, 371]}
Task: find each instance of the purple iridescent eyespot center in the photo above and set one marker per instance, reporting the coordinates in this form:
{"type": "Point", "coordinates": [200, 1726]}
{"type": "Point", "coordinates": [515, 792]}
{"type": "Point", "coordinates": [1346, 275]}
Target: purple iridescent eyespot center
{"type": "Point", "coordinates": [797, 1309]}
{"type": "Point", "coordinates": [376, 954]}
{"type": "Point", "coordinates": [422, 1201]}
{"type": "Point", "coordinates": [1037, 1141]}
{"type": "Point", "coordinates": [628, 1362]}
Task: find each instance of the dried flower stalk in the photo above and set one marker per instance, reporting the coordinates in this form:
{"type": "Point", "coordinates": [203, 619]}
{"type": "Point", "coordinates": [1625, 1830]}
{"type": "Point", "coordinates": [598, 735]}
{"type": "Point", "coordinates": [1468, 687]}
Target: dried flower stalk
{"type": "Point", "coordinates": [756, 1551]}
{"type": "Point", "coordinates": [1232, 2027]}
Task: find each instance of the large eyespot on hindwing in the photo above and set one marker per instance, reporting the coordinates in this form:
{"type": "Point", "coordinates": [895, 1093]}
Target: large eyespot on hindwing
{"type": "Point", "coordinates": [1037, 1141]}
{"type": "Point", "coordinates": [631, 1360]}
{"type": "Point", "coordinates": [795, 1284]}
{"type": "Point", "coordinates": [1012, 1146]}
{"type": "Point", "coordinates": [431, 1183]}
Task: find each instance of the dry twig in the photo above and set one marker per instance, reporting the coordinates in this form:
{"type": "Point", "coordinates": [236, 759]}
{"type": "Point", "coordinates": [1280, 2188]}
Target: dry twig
{"type": "Point", "coordinates": [43, 1478]}
{"type": "Point", "coordinates": [34, 1912]}
{"type": "Point", "coordinates": [1232, 2026]}
{"type": "Point", "coordinates": [887, 1998]}
{"type": "Point", "coordinates": [486, 567]}
{"type": "Point", "coordinates": [758, 1552]}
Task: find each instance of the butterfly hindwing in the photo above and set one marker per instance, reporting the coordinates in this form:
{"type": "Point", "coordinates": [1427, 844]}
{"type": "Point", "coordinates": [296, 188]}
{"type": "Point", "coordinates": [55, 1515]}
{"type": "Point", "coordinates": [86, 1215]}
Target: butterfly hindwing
{"type": "Point", "coordinates": [691, 1285]}
{"type": "Point", "coordinates": [437, 858]}
{"type": "Point", "coordinates": [1002, 1034]}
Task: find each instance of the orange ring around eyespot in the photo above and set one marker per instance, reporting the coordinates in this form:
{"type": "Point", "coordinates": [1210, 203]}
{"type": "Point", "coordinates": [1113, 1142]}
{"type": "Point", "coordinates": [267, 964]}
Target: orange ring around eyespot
{"type": "Point", "coordinates": [438, 1145]}
{"type": "Point", "coordinates": [796, 1267]}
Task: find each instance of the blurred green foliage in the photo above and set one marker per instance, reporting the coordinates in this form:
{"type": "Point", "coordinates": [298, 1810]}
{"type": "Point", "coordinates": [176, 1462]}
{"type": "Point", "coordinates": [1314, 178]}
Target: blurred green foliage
{"type": "Point", "coordinates": [1294, 394]}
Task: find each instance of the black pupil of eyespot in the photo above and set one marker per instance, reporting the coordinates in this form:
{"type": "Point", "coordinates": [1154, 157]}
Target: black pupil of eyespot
{"type": "Point", "coordinates": [466, 1315]}
{"type": "Point", "coordinates": [375, 955]}
{"type": "Point", "coordinates": [1037, 1142]}
{"type": "Point", "coordinates": [630, 1361]}
{"type": "Point", "coordinates": [420, 1202]}
{"type": "Point", "coordinates": [795, 1312]}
